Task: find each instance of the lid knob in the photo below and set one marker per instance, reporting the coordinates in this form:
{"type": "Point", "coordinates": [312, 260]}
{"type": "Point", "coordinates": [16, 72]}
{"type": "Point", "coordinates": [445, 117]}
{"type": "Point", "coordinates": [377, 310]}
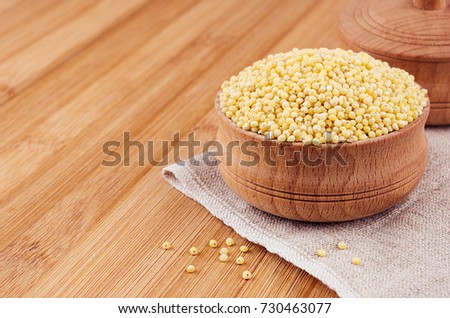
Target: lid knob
{"type": "Point", "coordinates": [429, 4]}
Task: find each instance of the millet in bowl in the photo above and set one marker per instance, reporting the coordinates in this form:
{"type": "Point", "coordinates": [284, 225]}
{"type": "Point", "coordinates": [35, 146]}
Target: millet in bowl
{"type": "Point", "coordinates": [327, 98]}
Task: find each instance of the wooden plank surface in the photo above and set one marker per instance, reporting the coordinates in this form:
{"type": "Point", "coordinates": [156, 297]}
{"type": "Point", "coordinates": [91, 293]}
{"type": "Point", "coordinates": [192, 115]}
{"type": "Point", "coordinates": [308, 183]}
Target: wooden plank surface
{"type": "Point", "coordinates": [71, 227]}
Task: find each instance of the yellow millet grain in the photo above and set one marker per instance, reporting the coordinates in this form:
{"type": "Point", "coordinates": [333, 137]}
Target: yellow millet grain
{"type": "Point", "coordinates": [321, 253]}
{"type": "Point", "coordinates": [240, 260]}
{"type": "Point", "coordinates": [190, 269]}
{"type": "Point", "coordinates": [193, 251]}
{"type": "Point", "coordinates": [243, 249]}
{"type": "Point", "coordinates": [246, 275]}
{"type": "Point", "coordinates": [342, 245]}
{"type": "Point", "coordinates": [229, 241]}
{"type": "Point", "coordinates": [223, 250]}
{"type": "Point", "coordinates": [322, 95]}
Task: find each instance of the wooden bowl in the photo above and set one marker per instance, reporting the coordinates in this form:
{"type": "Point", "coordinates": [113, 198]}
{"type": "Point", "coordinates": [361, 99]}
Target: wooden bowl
{"type": "Point", "coordinates": [410, 34]}
{"type": "Point", "coordinates": [326, 183]}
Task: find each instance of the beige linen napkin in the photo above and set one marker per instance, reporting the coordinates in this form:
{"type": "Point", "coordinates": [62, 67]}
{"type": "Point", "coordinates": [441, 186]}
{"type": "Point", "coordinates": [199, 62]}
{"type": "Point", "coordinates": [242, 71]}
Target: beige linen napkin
{"type": "Point", "coordinates": [405, 251]}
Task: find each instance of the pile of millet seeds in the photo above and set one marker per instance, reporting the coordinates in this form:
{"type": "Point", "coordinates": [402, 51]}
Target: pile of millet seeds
{"type": "Point", "coordinates": [322, 96]}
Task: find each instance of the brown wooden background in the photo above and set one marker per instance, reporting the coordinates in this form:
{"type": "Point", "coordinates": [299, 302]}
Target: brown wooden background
{"type": "Point", "coordinates": [75, 74]}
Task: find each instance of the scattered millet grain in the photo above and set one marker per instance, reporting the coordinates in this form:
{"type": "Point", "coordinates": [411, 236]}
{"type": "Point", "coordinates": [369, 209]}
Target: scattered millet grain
{"type": "Point", "coordinates": [240, 260]}
{"type": "Point", "coordinates": [193, 250]}
{"type": "Point", "coordinates": [342, 245]}
{"type": "Point", "coordinates": [356, 261]}
{"type": "Point", "coordinates": [322, 95]}
{"type": "Point", "coordinates": [213, 243]}
{"type": "Point", "coordinates": [321, 253]}
{"type": "Point", "coordinates": [166, 245]}
{"type": "Point", "coordinates": [229, 241]}
{"type": "Point", "coordinates": [190, 269]}
{"type": "Point", "coordinates": [223, 257]}
{"type": "Point", "coordinates": [223, 250]}
{"type": "Point", "coordinates": [246, 275]}
{"type": "Point", "coordinates": [243, 249]}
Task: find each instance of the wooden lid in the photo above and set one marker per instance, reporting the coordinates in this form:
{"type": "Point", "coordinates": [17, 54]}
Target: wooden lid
{"type": "Point", "coordinates": [402, 29]}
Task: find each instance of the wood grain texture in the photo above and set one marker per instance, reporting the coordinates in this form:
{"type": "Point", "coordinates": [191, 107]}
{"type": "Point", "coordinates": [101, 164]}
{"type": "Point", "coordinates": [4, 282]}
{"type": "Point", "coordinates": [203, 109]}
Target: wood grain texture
{"type": "Point", "coordinates": [410, 34]}
{"type": "Point", "coordinates": [40, 56]}
{"type": "Point", "coordinates": [70, 227]}
{"type": "Point", "coordinates": [325, 183]}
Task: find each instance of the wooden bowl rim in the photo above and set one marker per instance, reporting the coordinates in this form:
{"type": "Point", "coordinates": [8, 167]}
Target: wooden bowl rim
{"type": "Point", "coordinates": [255, 136]}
